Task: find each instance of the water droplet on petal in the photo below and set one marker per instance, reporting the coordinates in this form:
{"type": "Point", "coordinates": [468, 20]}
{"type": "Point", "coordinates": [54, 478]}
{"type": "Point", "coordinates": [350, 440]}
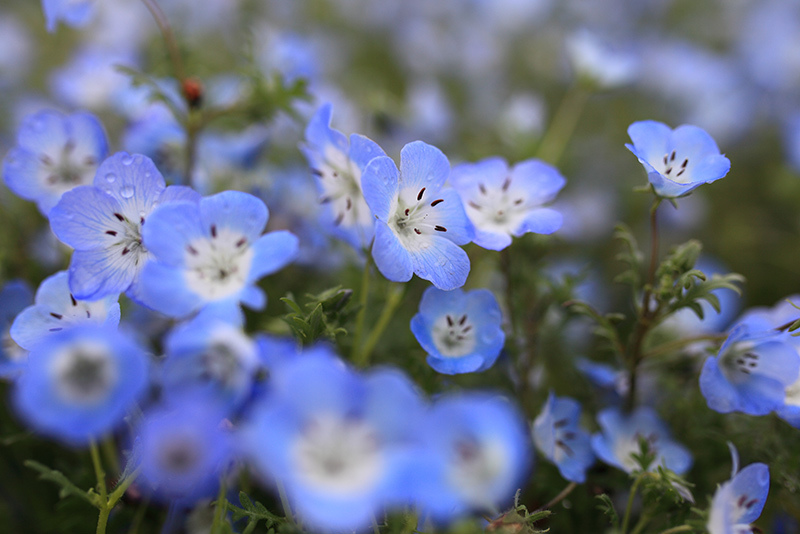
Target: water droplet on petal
{"type": "Point", "coordinates": [110, 177]}
{"type": "Point", "coordinates": [147, 174]}
{"type": "Point", "coordinates": [108, 190]}
{"type": "Point", "coordinates": [127, 160]}
{"type": "Point", "coordinates": [126, 192]}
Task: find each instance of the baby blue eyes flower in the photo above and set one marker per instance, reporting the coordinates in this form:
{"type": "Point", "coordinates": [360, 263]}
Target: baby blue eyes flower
{"type": "Point", "coordinates": [103, 223]}
{"type": "Point", "coordinates": [621, 435]}
{"type": "Point", "coordinates": [419, 222]}
{"type": "Point", "coordinates": [752, 371]}
{"type": "Point", "coordinates": [337, 167]}
{"type": "Point", "coordinates": [677, 161]}
{"type": "Point", "coordinates": [739, 501]}
{"type": "Point", "coordinates": [557, 435]}
{"type": "Point", "coordinates": [80, 383]}
{"type": "Point", "coordinates": [75, 13]}
{"type": "Point", "coordinates": [503, 202]}
{"type": "Point", "coordinates": [54, 153]}
{"type": "Point", "coordinates": [211, 253]}
{"type": "Point", "coordinates": [461, 331]}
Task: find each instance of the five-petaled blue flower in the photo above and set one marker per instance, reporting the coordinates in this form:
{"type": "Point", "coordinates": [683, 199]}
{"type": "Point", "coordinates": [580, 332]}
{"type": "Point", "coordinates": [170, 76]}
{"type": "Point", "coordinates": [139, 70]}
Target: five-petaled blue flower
{"type": "Point", "coordinates": [337, 168]}
{"type": "Point", "coordinates": [211, 253]}
{"type": "Point", "coordinates": [103, 223]}
{"type": "Point", "coordinates": [503, 202]}
{"type": "Point", "coordinates": [677, 161]}
{"type": "Point", "coordinates": [54, 153]}
{"type": "Point", "coordinates": [461, 332]}
{"type": "Point", "coordinates": [557, 435]}
{"type": "Point", "coordinates": [420, 223]}
{"type": "Point", "coordinates": [739, 501]}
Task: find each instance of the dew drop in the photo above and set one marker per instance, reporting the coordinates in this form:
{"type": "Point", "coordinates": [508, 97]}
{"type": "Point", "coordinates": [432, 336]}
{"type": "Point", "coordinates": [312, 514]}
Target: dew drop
{"type": "Point", "coordinates": [142, 213]}
{"type": "Point", "coordinates": [127, 160]}
{"type": "Point", "coordinates": [147, 174]}
{"type": "Point", "coordinates": [110, 177]}
{"type": "Point", "coordinates": [108, 190]}
{"type": "Point", "coordinates": [126, 192]}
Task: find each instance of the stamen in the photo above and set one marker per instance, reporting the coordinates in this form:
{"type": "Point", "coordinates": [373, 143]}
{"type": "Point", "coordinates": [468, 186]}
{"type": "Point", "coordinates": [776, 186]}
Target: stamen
{"type": "Point", "coordinates": [111, 232]}
{"type": "Point", "coordinates": [751, 503]}
{"type": "Point", "coordinates": [241, 242]}
{"type": "Point", "coordinates": [74, 302]}
{"type": "Point", "coordinates": [564, 446]}
{"type": "Point", "coordinates": [214, 230]}
{"type": "Point", "coordinates": [421, 192]}
{"type": "Point", "coordinates": [666, 160]}
{"type": "Point", "coordinates": [88, 314]}
{"type": "Point", "coordinates": [506, 183]}
{"type": "Point", "coordinates": [339, 219]}
{"type": "Point", "coordinates": [349, 203]}
{"type": "Point", "coordinates": [191, 250]}
{"type": "Point", "coordinates": [685, 162]}
{"type": "Point", "coordinates": [417, 231]}
{"type": "Point", "coordinates": [317, 172]}
{"type": "Point", "coordinates": [125, 250]}
{"type": "Point", "coordinates": [56, 329]}
{"type": "Point", "coordinates": [89, 160]}
{"type": "Point", "coordinates": [680, 172]}
{"type": "Point", "coordinates": [482, 188]}
{"type": "Point", "coordinates": [518, 202]}
{"type": "Point", "coordinates": [741, 501]}
{"type": "Point", "coordinates": [407, 211]}
{"type": "Point", "coordinates": [57, 315]}
{"type": "Point", "coordinates": [462, 320]}
{"type": "Point", "coordinates": [141, 221]}
{"type": "Point", "coordinates": [471, 203]}
{"type": "Point", "coordinates": [325, 200]}
{"type": "Point", "coordinates": [560, 423]}
{"type": "Point", "coordinates": [44, 158]}
{"type": "Point", "coordinates": [119, 217]}
{"type": "Point", "coordinates": [672, 157]}
{"type": "Point", "coordinates": [467, 329]}
{"type": "Point", "coordinates": [436, 202]}
{"type": "Point", "coordinates": [450, 321]}
{"type": "Point", "coordinates": [440, 228]}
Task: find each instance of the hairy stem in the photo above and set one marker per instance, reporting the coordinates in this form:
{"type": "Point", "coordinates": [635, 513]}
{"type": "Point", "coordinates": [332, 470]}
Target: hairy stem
{"type": "Point", "coordinates": [105, 509]}
{"type": "Point", "coordinates": [558, 498]}
{"type": "Point", "coordinates": [629, 507]}
{"type": "Point", "coordinates": [396, 292]}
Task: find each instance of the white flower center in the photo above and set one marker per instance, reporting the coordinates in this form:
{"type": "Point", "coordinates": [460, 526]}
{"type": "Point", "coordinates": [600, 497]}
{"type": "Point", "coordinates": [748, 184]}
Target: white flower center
{"type": "Point", "coordinates": [11, 351]}
{"type": "Point", "coordinates": [217, 267]}
{"type": "Point", "coordinates": [739, 362]}
{"type": "Point", "coordinates": [454, 335]}
{"type": "Point", "coordinates": [229, 358]}
{"type": "Point", "coordinates": [125, 239]}
{"type": "Point", "coordinates": [793, 393]}
{"type": "Point", "coordinates": [675, 168]}
{"type": "Point", "coordinates": [66, 170]}
{"type": "Point", "coordinates": [475, 467]}
{"type": "Point", "coordinates": [84, 373]}
{"type": "Point", "coordinates": [626, 446]}
{"type": "Point", "coordinates": [410, 218]}
{"type": "Point", "coordinates": [498, 210]}
{"type": "Point", "coordinates": [340, 180]}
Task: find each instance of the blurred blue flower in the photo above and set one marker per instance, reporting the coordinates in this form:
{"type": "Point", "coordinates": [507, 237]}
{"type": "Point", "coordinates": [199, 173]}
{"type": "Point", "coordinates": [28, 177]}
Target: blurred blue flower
{"type": "Point", "coordinates": [557, 435]}
{"type": "Point", "coordinates": [752, 370]}
{"type": "Point", "coordinates": [15, 296]}
{"type": "Point", "coordinates": [75, 13]}
{"type": "Point", "coordinates": [419, 222]}
{"type": "Point", "coordinates": [342, 445]}
{"type": "Point", "coordinates": [211, 254]}
{"type": "Point", "coordinates": [620, 435]}
{"type": "Point", "coordinates": [54, 154]}
{"type": "Point", "coordinates": [677, 161]}
{"type": "Point", "coordinates": [56, 309]}
{"type": "Point", "coordinates": [739, 501]}
{"type": "Point", "coordinates": [502, 202]}
{"type": "Point", "coordinates": [338, 167]}
{"type": "Point", "coordinates": [461, 332]}
{"type": "Point", "coordinates": [599, 62]}
{"type": "Point", "coordinates": [79, 383]}
{"type": "Point", "coordinates": [103, 223]}
{"type": "Point", "coordinates": [92, 79]}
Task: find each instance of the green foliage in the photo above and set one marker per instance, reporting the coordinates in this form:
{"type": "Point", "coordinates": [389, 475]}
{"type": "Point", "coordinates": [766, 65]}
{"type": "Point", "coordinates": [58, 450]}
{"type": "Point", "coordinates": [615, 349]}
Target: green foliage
{"type": "Point", "coordinates": [254, 512]}
{"type": "Point", "coordinates": [325, 315]}
{"type": "Point", "coordinates": [606, 506]}
{"type": "Point", "coordinates": [630, 255]}
{"type": "Point", "coordinates": [66, 485]}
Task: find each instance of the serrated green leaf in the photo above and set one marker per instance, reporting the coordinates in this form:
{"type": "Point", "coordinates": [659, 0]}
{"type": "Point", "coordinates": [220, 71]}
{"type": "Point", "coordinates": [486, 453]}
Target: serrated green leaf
{"type": "Point", "coordinates": [66, 485]}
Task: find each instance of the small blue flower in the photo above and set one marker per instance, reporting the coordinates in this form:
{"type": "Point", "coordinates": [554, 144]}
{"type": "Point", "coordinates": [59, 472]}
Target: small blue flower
{"type": "Point", "coordinates": [557, 435]}
{"type": "Point", "coordinates": [56, 309]}
{"type": "Point", "coordinates": [677, 161]}
{"type": "Point", "coordinates": [211, 253]}
{"type": "Point", "coordinates": [752, 370]}
{"type": "Point", "coordinates": [54, 153]}
{"type": "Point", "coordinates": [420, 223]}
{"type": "Point", "coordinates": [337, 166]}
{"type": "Point", "coordinates": [103, 223]}
{"type": "Point", "coordinates": [502, 202]}
{"type": "Point", "coordinates": [620, 436]}
{"type": "Point", "coordinates": [15, 296]}
{"type": "Point", "coordinates": [739, 501]}
{"type": "Point", "coordinates": [80, 383]}
{"type": "Point", "coordinates": [74, 13]}
{"type": "Point", "coordinates": [461, 332]}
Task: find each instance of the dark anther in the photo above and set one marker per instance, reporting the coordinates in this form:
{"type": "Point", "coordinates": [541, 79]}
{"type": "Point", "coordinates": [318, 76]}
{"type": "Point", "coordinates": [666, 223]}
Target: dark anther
{"type": "Point", "coordinates": [672, 157]}
{"type": "Point", "coordinates": [741, 501]}
{"type": "Point", "coordinates": [119, 217]}
{"type": "Point", "coordinates": [685, 162]}
{"type": "Point", "coordinates": [421, 192]}
{"type": "Point", "coordinates": [506, 183]}
{"type": "Point", "coordinates": [56, 315]}
{"type": "Point", "coordinates": [74, 302]}
{"type": "Point", "coordinates": [56, 329]}
{"type": "Point", "coordinates": [449, 321]}
{"type": "Point", "coordinates": [745, 371]}
{"type": "Point", "coordinates": [191, 250]}
{"type": "Point", "coordinates": [564, 446]}
{"type": "Point", "coordinates": [460, 338]}
{"type": "Point", "coordinates": [435, 202]}
{"type": "Point", "coordinates": [88, 314]}
{"type": "Point", "coordinates": [335, 174]}
{"type": "Point", "coordinates": [316, 172]}
{"type": "Point", "coordinates": [666, 160]}
{"type": "Point", "coordinates": [52, 179]}
{"type": "Point", "coordinates": [752, 364]}
{"type": "Point", "coordinates": [44, 158]}
{"type": "Point", "coordinates": [560, 423]}
{"type": "Point", "coordinates": [213, 230]}
{"type": "Point", "coordinates": [467, 329]}
{"type": "Point", "coordinates": [463, 319]}
{"type": "Point", "coordinates": [471, 203]}
{"type": "Point", "coordinates": [407, 211]}
{"type": "Point", "coordinates": [111, 232]}
{"type": "Point", "coordinates": [349, 203]}
{"type": "Point", "coordinates": [482, 188]}
{"type": "Point", "coordinates": [89, 160]}
{"type": "Point", "coordinates": [751, 355]}
{"type": "Point", "coordinates": [518, 202]}
{"type": "Point", "coordinates": [241, 242]}
{"type": "Point", "coordinates": [669, 170]}
{"type": "Point", "coordinates": [325, 200]}
{"type": "Point", "coordinates": [751, 503]}
{"type": "Point", "coordinates": [417, 231]}
{"type": "Point", "coordinates": [740, 361]}
{"type": "Point", "coordinates": [680, 172]}
{"type": "Point", "coordinates": [440, 228]}
{"type": "Point", "coordinates": [141, 221]}
{"type": "Point", "coordinates": [339, 219]}
{"type": "Point", "coordinates": [569, 435]}
{"type": "Point", "coordinates": [125, 250]}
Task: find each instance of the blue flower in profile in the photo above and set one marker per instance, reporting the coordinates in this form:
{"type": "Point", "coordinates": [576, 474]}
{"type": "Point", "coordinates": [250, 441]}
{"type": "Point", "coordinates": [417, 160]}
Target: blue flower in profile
{"type": "Point", "coordinates": [54, 153]}
{"type": "Point", "coordinates": [677, 161]}
{"type": "Point", "coordinates": [752, 370]}
{"type": "Point", "coordinates": [342, 445]}
{"type": "Point", "coordinates": [479, 455]}
{"type": "Point", "coordinates": [211, 254]}
{"type": "Point", "coordinates": [103, 222]}
{"type": "Point", "coordinates": [557, 435]}
{"type": "Point", "coordinates": [337, 166]}
{"type": "Point", "coordinates": [15, 296]}
{"type": "Point", "coordinates": [75, 13]}
{"type": "Point", "coordinates": [460, 331]}
{"type": "Point", "coordinates": [621, 435]}
{"type": "Point", "coordinates": [56, 310]}
{"type": "Point", "coordinates": [739, 501]}
{"type": "Point", "coordinates": [503, 202]}
{"type": "Point", "coordinates": [80, 383]}
{"type": "Point", "coordinates": [419, 222]}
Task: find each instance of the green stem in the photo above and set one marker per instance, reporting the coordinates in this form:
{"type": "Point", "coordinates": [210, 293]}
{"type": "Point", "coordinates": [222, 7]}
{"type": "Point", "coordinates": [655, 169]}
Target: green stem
{"type": "Point", "coordinates": [122, 487]}
{"type": "Point", "coordinates": [287, 508]}
{"type": "Point", "coordinates": [105, 509]}
{"type": "Point", "coordinates": [102, 520]}
{"type": "Point", "coordinates": [629, 507]}
{"type": "Point", "coordinates": [110, 453]}
{"type": "Point", "coordinates": [396, 292]}
{"type": "Point", "coordinates": [363, 299]}
{"type": "Point", "coordinates": [563, 124]}
{"type": "Point", "coordinates": [251, 526]}
{"type": "Point", "coordinates": [220, 507]}
{"type": "Point", "coordinates": [558, 498]}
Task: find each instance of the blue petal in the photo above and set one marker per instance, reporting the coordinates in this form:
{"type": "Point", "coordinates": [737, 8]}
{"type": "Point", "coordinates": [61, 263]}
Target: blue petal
{"type": "Point", "coordinates": [363, 150]}
{"type": "Point", "coordinates": [455, 366]}
{"type": "Point", "coordinates": [540, 221]}
{"type": "Point", "coordinates": [651, 139]}
{"type": "Point", "coordinates": [391, 258]}
{"type": "Point", "coordinates": [490, 172]}
{"type": "Point", "coordinates": [45, 132]}
{"type": "Point", "coordinates": [540, 180]}
{"type": "Point", "coordinates": [423, 165]}
{"type": "Point", "coordinates": [253, 297]}
{"type": "Point", "coordinates": [450, 214]}
{"type": "Point", "coordinates": [319, 134]}
{"type": "Point", "coordinates": [692, 142]}
{"type": "Point", "coordinates": [675, 457]}
{"type": "Point", "coordinates": [753, 482]}
{"type": "Point", "coordinates": [603, 450]}
{"type": "Point", "coordinates": [436, 303]}
{"type": "Point", "coordinates": [712, 168]}
{"type": "Point", "coordinates": [169, 230]}
{"type": "Point", "coordinates": [87, 134]}
{"type": "Point", "coordinates": [490, 240]}
{"type": "Point", "coordinates": [133, 180]}
{"type": "Point", "coordinates": [177, 193]}
{"type": "Point", "coordinates": [272, 252]}
{"type": "Point", "coordinates": [443, 263]}
{"type": "Point", "coordinates": [163, 288]}
{"type": "Point", "coordinates": [379, 183]}
{"type": "Point", "coordinates": [94, 274]}
{"type": "Point", "coordinates": [241, 212]}
{"type": "Point", "coordinates": [82, 217]}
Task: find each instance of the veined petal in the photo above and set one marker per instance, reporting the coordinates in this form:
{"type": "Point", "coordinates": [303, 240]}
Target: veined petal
{"type": "Point", "coordinates": [752, 482]}
{"type": "Point", "coordinates": [380, 184]}
{"type": "Point", "coordinates": [454, 366]}
{"type": "Point", "coordinates": [164, 289]}
{"type": "Point", "coordinates": [45, 133]}
{"type": "Point", "coordinates": [83, 216]}
{"type": "Point", "coordinates": [96, 273]}
{"type": "Point", "coordinates": [238, 211]}
{"type": "Point", "coordinates": [391, 258]}
{"type": "Point", "coordinates": [650, 138]}
{"type": "Point", "coordinates": [539, 180]}
{"type": "Point", "coordinates": [423, 165]}
{"type": "Point", "coordinates": [489, 172]}
{"type": "Point", "coordinates": [440, 261]}
{"type": "Point", "coordinates": [272, 252]}
{"type": "Point", "coordinates": [169, 230]}
{"type": "Point", "coordinates": [133, 180]}
{"type": "Point", "coordinates": [363, 150]}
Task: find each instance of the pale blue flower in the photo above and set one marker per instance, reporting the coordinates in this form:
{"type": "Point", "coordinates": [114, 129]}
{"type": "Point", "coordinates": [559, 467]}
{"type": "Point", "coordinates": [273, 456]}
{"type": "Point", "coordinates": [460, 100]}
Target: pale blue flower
{"type": "Point", "coordinates": [739, 501]}
{"type": "Point", "coordinates": [75, 13]}
{"type": "Point", "coordinates": [558, 436]}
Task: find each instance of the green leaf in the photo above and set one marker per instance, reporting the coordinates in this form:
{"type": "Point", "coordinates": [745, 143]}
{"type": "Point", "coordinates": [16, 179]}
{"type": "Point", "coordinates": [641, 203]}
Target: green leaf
{"type": "Point", "coordinates": [67, 487]}
{"type": "Point", "coordinates": [607, 507]}
{"type": "Point", "coordinates": [255, 512]}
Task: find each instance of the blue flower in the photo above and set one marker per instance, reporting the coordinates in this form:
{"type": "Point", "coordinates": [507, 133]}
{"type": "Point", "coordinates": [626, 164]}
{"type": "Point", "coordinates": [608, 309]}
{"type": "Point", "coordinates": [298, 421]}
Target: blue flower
{"type": "Point", "coordinates": [420, 223]}
{"type": "Point", "coordinates": [342, 445]}
{"type": "Point", "coordinates": [15, 296]}
{"type": "Point", "coordinates": [80, 383]}
{"type": "Point", "coordinates": [620, 436]}
{"type": "Point", "coordinates": [752, 370]}
{"type": "Point", "coordinates": [557, 435]}
{"type": "Point", "coordinates": [461, 332]}
{"type": "Point", "coordinates": [211, 253]}
{"type": "Point", "coordinates": [56, 309]}
{"type": "Point", "coordinates": [338, 167]}
{"type": "Point", "coordinates": [739, 501]}
{"type": "Point", "coordinates": [75, 13]}
{"type": "Point", "coordinates": [479, 455]}
{"type": "Point", "coordinates": [677, 161]}
{"type": "Point", "coordinates": [502, 202]}
{"type": "Point", "coordinates": [54, 153]}
{"type": "Point", "coordinates": [103, 223]}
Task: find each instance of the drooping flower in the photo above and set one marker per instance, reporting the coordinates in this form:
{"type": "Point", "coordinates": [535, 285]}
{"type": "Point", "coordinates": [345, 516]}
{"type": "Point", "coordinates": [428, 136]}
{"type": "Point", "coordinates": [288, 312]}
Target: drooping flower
{"type": "Point", "coordinates": [557, 435]}
{"type": "Point", "coordinates": [739, 501]}
{"type": "Point", "coordinates": [79, 383]}
{"type": "Point", "coordinates": [419, 222]}
{"type": "Point", "coordinates": [74, 13]}
{"type": "Point", "coordinates": [211, 254]}
{"type": "Point", "coordinates": [503, 202]}
{"type": "Point", "coordinates": [56, 309]}
{"type": "Point", "coordinates": [337, 167]}
{"type": "Point", "coordinates": [461, 331]}
{"type": "Point", "coordinates": [54, 153]}
{"type": "Point", "coordinates": [621, 435]}
{"type": "Point", "coordinates": [677, 161]}
{"type": "Point", "coordinates": [15, 296]}
{"type": "Point", "coordinates": [103, 222]}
